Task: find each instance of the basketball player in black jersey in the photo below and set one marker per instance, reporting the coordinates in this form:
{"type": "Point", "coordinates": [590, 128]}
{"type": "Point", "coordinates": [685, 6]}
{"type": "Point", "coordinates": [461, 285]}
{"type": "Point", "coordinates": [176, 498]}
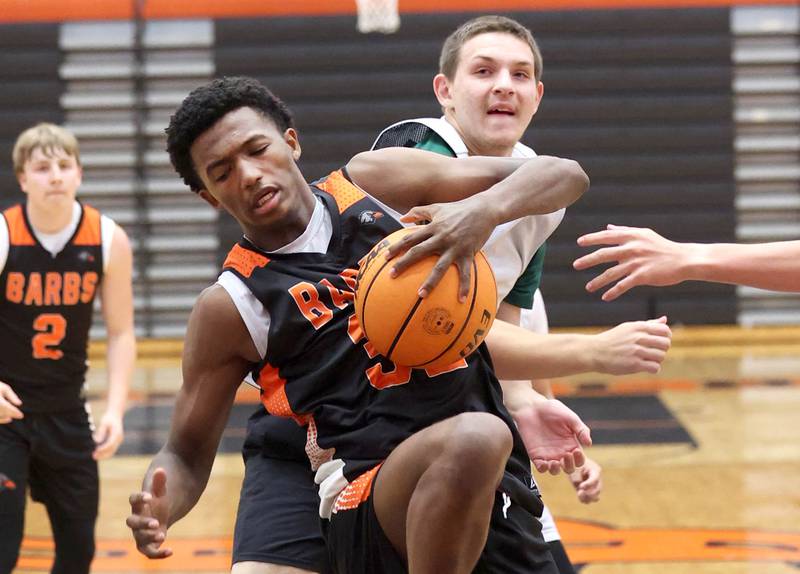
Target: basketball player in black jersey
{"type": "Point", "coordinates": [55, 256]}
{"type": "Point", "coordinates": [233, 142]}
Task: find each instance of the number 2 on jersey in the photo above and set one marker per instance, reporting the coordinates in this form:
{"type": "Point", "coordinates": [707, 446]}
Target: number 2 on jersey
{"type": "Point", "coordinates": [52, 327]}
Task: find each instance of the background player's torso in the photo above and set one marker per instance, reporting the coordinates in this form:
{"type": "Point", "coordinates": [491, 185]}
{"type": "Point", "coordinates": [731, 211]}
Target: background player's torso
{"type": "Point", "coordinates": [46, 310]}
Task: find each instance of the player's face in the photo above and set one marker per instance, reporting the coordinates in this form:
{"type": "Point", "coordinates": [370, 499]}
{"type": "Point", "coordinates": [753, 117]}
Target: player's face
{"type": "Point", "coordinates": [50, 178]}
{"type": "Point", "coordinates": [249, 168]}
{"type": "Point", "coordinates": [493, 94]}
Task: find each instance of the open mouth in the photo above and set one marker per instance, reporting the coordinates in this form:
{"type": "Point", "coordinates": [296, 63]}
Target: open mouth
{"type": "Point", "coordinates": [500, 111]}
{"type": "Point", "coordinates": [264, 198]}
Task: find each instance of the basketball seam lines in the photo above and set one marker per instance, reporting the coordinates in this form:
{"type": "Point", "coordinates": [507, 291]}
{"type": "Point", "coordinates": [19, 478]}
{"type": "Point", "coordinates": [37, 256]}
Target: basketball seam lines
{"type": "Point", "coordinates": [467, 318]}
{"type": "Point", "coordinates": [366, 296]}
{"type": "Point", "coordinates": [403, 327]}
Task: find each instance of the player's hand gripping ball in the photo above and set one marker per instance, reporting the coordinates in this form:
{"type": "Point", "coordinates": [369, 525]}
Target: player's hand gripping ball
{"type": "Point", "coordinates": [429, 333]}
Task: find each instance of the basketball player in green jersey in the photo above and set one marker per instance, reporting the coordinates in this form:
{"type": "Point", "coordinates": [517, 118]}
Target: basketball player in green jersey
{"type": "Point", "coordinates": [489, 86]}
{"type": "Point", "coordinates": [56, 254]}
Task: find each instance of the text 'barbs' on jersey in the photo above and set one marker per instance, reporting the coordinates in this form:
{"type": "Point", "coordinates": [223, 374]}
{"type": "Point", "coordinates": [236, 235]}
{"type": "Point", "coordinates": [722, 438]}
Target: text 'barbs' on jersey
{"type": "Point", "coordinates": [51, 288]}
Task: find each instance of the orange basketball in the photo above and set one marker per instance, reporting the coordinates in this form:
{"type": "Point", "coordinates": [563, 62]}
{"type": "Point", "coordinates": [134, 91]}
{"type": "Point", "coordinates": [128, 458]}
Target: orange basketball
{"type": "Point", "coordinates": [423, 333]}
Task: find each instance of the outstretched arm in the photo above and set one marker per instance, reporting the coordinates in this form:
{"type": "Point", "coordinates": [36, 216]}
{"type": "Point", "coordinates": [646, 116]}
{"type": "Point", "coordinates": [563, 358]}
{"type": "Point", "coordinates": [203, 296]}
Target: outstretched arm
{"type": "Point", "coordinates": [510, 188]}
{"type": "Point", "coordinates": [643, 257]}
{"type": "Point", "coordinates": [637, 346]}
{"type": "Point", "coordinates": [213, 368]}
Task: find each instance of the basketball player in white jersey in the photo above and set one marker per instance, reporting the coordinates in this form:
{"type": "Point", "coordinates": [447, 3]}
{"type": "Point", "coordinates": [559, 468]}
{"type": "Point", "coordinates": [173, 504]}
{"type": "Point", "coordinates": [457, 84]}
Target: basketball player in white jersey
{"type": "Point", "coordinates": [489, 88]}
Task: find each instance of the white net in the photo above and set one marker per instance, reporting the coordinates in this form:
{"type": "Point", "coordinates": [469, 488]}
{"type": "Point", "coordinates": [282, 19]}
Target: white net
{"type": "Point", "coordinates": [378, 16]}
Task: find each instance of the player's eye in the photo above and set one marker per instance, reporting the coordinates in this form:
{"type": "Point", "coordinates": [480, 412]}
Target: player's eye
{"type": "Point", "coordinates": [221, 176]}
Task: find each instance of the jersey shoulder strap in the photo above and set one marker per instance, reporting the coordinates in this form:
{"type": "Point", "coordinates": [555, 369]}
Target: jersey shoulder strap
{"type": "Point", "coordinates": [89, 230]}
{"type": "Point", "coordinates": [343, 191]}
{"type": "Point", "coordinates": [416, 130]}
{"type": "Point", "coordinates": [18, 231]}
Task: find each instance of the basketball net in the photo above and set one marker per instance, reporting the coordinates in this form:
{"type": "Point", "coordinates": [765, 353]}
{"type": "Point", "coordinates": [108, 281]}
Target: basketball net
{"type": "Point", "coordinates": [378, 16]}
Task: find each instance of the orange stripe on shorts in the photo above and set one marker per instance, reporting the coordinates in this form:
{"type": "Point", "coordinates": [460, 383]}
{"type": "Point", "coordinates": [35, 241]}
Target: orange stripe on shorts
{"type": "Point", "coordinates": [357, 491]}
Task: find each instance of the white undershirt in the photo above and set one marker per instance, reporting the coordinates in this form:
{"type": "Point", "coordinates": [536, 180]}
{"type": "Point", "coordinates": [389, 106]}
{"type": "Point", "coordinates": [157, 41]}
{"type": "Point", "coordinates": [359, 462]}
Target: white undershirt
{"type": "Point", "coordinates": [315, 239]}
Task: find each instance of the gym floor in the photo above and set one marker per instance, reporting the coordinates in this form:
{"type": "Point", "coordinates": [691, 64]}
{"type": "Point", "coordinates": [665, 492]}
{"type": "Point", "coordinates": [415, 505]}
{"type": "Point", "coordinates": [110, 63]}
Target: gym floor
{"type": "Point", "coordinates": [701, 465]}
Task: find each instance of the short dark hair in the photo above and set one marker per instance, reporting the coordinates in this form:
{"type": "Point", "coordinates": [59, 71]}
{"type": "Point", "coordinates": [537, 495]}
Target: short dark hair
{"type": "Point", "coordinates": [451, 51]}
{"type": "Point", "coordinates": [205, 105]}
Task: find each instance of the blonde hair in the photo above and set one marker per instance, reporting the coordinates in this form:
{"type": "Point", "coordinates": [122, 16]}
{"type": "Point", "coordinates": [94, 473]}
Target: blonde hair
{"type": "Point", "coordinates": [451, 51]}
{"type": "Point", "coordinates": [46, 137]}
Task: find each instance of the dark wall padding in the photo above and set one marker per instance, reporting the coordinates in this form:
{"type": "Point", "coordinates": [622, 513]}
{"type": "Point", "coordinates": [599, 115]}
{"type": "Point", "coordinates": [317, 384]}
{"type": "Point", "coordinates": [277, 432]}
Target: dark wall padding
{"type": "Point", "coordinates": [30, 90]}
{"type": "Point", "coordinates": [642, 98]}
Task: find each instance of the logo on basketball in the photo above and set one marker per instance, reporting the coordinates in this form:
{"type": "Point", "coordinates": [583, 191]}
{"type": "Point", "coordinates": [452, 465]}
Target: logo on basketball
{"type": "Point", "coordinates": [366, 262]}
{"type": "Point", "coordinates": [479, 334]}
{"type": "Point", "coordinates": [437, 322]}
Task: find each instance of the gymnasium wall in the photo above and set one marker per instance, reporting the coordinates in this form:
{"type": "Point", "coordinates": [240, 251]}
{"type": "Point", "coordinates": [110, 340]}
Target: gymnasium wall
{"type": "Point", "coordinates": [642, 97]}
{"type": "Point", "coordinates": [29, 90]}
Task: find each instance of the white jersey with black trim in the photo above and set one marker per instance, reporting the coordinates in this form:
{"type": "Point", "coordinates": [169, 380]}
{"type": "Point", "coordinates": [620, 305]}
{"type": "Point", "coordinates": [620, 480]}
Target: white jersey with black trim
{"type": "Point", "coordinates": [448, 133]}
{"type": "Point", "coordinates": [509, 257]}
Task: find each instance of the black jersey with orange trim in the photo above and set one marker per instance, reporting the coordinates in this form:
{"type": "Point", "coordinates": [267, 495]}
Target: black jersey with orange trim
{"type": "Point", "coordinates": [319, 368]}
{"type": "Point", "coordinates": [46, 311]}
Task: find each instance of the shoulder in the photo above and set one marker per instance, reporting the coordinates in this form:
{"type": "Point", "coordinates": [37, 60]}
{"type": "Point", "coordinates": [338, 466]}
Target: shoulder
{"type": "Point", "coordinates": [215, 312]}
{"type": "Point", "coordinates": [434, 134]}
{"type": "Point", "coordinates": [117, 251]}
{"type": "Point", "coordinates": [214, 302]}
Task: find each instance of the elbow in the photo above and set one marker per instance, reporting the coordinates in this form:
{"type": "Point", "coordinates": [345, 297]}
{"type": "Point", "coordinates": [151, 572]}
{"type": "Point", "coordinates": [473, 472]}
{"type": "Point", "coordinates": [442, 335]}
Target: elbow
{"type": "Point", "coordinates": [577, 180]}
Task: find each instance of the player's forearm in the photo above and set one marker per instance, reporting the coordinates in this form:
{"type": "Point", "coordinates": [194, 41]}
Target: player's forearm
{"type": "Point", "coordinates": [774, 266]}
{"type": "Point", "coordinates": [519, 395]}
{"type": "Point", "coordinates": [540, 185]}
{"type": "Point", "coordinates": [519, 354]}
{"type": "Point", "coordinates": [121, 356]}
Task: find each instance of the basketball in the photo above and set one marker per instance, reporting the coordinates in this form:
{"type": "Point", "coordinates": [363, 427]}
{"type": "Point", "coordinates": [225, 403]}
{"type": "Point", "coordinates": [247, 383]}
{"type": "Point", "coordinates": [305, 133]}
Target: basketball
{"type": "Point", "coordinates": [429, 333]}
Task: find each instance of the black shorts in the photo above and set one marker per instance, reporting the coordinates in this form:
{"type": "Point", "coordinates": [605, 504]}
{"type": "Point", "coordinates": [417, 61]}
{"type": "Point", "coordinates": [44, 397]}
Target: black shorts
{"type": "Point", "coordinates": [278, 518]}
{"type": "Point", "coordinates": [51, 453]}
{"type": "Point", "coordinates": [358, 545]}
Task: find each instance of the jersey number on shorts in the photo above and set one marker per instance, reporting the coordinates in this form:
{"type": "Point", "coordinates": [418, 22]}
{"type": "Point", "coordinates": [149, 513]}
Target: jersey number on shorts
{"type": "Point", "coordinates": [51, 329]}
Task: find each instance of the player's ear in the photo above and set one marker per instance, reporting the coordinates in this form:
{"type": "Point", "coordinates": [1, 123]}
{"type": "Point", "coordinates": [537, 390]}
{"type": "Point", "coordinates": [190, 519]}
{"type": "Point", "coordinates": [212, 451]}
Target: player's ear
{"type": "Point", "coordinates": [539, 96]}
{"type": "Point", "coordinates": [293, 140]}
{"type": "Point", "coordinates": [210, 199]}
{"type": "Point", "coordinates": [23, 181]}
{"type": "Point", "coordinates": [441, 87]}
